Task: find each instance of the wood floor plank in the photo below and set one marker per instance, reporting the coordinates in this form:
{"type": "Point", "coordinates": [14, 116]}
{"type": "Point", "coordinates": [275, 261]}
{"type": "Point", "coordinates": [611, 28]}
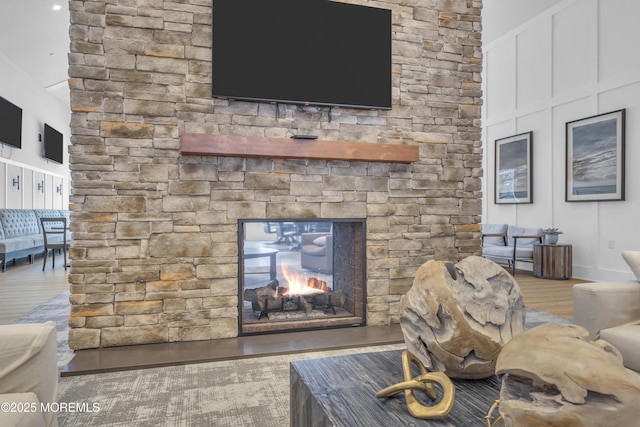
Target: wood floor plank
{"type": "Point", "coordinates": [25, 286]}
{"type": "Point", "coordinates": [552, 296]}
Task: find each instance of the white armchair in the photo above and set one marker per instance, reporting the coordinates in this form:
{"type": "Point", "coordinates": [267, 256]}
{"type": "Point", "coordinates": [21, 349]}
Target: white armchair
{"type": "Point", "coordinates": [317, 252]}
{"type": "Point", "coordinates": [28, 373]}
{"type": "Point", "coordinates": [611, 311]}
{"type": "Point", "coordinates": [509, 243]}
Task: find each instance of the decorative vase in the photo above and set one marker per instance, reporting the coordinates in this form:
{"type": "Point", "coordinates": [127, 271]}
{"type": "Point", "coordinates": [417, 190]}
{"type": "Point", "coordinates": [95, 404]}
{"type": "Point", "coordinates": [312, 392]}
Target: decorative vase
{"type": "Point", "coordinates": [550, 239]}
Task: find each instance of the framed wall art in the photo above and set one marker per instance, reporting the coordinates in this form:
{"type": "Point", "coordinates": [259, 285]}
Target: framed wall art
{"type": "Point", "coordinates": [513, 174]}
{"type": "Point", "coordinates": [595, 158]}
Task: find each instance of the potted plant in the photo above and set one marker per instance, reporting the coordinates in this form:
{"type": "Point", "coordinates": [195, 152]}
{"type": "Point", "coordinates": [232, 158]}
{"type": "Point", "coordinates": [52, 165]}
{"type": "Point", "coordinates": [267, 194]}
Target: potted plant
{"type": "Point", "coordinates": [551, 235]}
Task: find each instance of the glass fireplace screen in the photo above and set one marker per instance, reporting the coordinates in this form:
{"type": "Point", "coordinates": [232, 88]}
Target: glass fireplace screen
{"type": "Point", "coordinates": [299, 274]}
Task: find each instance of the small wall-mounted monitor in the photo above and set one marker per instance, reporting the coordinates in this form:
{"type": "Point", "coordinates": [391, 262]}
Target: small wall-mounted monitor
{"type": "Point", "coordinates": [10, 124]}
{"type": "Point", "coordinates": [53, 144]}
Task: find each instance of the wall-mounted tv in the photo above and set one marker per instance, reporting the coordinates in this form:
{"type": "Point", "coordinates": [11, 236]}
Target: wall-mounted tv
{"type": "Point", "coordinates": [53, 144]}
{"type": "Point", "coordinates": [311, 52]}
{"type": "Point", "coordinates": [10, 124]}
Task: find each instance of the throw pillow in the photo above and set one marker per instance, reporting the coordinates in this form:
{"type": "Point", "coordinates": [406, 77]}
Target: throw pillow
{"type": "Point", "coordinates": [320, 241]}
{"type": "Point", "coordinates": [632, 258]}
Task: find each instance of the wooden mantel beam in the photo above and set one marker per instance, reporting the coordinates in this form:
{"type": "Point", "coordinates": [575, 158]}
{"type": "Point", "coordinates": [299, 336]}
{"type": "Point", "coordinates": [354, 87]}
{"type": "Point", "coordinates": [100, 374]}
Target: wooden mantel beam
{"type": "Point", "coordinates": [197, 144]}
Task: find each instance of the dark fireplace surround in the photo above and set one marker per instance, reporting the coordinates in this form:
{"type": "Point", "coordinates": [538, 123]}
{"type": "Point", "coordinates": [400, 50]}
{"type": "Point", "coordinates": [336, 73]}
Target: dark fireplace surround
{"type": "Point", "coordinates": [324, 257]}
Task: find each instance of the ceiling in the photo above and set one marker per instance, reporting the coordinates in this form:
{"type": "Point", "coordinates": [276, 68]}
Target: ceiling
{"type": "Point", "coordinates": [35, 39]}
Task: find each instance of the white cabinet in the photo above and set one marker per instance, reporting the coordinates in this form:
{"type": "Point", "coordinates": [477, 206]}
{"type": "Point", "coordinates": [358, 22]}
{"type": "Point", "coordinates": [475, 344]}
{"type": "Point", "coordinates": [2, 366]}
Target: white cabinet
{"type": "Point", "coordinates": [3, 184]}
{"type": "Point", "coordinates": [25, 188]}
{"type": "Point", "coordinates": [49, 191]}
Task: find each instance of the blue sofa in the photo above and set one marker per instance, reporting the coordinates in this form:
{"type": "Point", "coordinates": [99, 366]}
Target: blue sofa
{"type": "Point", "coordinates": [21, 233]}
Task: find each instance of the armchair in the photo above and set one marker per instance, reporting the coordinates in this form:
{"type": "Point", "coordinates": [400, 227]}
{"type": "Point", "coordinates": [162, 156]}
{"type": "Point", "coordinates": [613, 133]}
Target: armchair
{"type": "Point", "coordinates": [28, 372]}
{"type": "Point", "coordinates": [316, 252]}
{"type": "Point", "coordinates": [509, 243]}
{"type": "Point", "coordinates": [611, 311]}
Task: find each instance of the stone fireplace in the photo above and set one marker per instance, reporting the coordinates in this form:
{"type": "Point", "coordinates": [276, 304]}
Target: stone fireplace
{"type": "Point", "coordinates": [163, 175]}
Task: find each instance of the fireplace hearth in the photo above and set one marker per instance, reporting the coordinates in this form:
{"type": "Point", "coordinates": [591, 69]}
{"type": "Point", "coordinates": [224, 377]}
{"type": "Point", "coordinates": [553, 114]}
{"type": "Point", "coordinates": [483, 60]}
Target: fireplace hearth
{"type": "Point", "coordinates": [300, 274]}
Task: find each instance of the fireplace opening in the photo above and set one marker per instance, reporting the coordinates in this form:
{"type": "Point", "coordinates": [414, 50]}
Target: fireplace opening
{"type": "Point", "coordinates": [300, 274]}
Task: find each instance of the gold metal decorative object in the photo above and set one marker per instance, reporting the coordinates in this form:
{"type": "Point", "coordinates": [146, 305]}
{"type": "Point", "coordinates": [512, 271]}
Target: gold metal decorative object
{"type": "Point", "coordinates": [425, 383]}
{"type": "Point", "coordinates": [494, 422]}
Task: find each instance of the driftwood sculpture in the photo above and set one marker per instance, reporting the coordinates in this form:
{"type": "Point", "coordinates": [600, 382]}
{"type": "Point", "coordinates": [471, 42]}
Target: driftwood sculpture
{"type": "Point", "coordinates": [456, 318]}
{"type": "Point", "coordinates": [556, 376]}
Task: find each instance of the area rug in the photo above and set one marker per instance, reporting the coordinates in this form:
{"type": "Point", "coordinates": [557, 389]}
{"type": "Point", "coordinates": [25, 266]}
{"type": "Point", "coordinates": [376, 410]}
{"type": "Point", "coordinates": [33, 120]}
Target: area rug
{"type": "Point", "coordinates": [245, 392]}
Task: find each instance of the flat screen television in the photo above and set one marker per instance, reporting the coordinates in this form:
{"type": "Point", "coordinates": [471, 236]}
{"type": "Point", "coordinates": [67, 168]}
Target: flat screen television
{"type": "Point", "coordinates": [10, 124]}
{"type": "Point", "coordinates": [53, 144]}
{"type": "Point", "coordinates": [309, 52]}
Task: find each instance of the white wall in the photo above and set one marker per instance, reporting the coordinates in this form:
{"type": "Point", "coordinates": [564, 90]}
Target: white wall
{"type": "Point", "coordinates": [38, 107]}
{"type": "Point", "coordinates": [500, 16]}
{"type": "Point", "coordinates": [574, 60]}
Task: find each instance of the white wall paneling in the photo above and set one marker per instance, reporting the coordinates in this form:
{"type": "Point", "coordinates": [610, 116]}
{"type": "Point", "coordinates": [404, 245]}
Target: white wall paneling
{"type": "Point", "coordinates": [49, 190]}
{"type": "Point", "coordinates": [37, 189]}
{"type": "Point", "coordinates": [573, 48]}
{"type": "Point", "coordinates": [617, 27]}
{"type": "Point", "coordinates": [3, 185]}
{"type": "Point", "coordinates": [501, 74]}
{"type": "Point", "coordinates": [534, 60]}
{"type": "Point", "coordinates": [501, 16]}
{"type": "Point", "coordinates": [27, 188]}
{"type": "Point", "coordinates": [572, 61]}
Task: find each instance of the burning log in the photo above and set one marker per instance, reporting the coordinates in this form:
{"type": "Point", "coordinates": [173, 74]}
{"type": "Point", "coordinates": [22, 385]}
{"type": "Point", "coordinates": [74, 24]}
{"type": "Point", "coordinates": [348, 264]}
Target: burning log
{"type": "Point", "coordinates": [267, 304]}
{"type": "Point", "coordinates": [281, 303]}
{"type": "Point", "coordinates": [331, 299]}
{"type": "Point", "coordinates": [318, 284]}
{"type": "Point", "coordinates": [305, 305]}
{"type": "Point", "coordinates": [272, 297]}
{"type": "Point", "coordinates": [260, 294]}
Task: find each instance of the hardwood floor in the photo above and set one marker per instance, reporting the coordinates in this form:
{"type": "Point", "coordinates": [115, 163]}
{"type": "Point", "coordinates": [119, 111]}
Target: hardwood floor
{"type": "Point", "coordinates": [25, 286]}
{"type": "Point", "coordinates": [552, 296]}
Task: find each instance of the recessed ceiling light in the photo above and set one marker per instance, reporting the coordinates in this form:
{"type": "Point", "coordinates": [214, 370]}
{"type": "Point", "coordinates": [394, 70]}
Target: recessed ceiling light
{"type": "Point", "coordinates": [56, 7]}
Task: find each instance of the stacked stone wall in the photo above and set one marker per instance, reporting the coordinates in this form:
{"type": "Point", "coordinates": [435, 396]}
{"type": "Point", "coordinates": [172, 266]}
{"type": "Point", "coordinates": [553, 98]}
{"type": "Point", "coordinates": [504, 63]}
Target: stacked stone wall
{"type": "Point", "coordinates": [155, 250]}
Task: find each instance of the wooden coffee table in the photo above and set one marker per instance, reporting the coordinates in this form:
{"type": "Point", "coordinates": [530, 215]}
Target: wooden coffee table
{"type": "Point", "coordinates": [339, 391]}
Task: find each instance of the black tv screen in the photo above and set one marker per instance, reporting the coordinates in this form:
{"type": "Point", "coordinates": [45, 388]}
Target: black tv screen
{"type": "Point", "coordinates": [314, 52]}
{"type": "Point", "coordinates": [53, 144]}
{"type": "Point", "coordinates": [10, 124]}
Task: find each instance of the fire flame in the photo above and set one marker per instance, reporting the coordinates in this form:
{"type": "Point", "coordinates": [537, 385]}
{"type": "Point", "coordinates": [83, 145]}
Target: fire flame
{"type": "Point", "coordinates": [299, 284]}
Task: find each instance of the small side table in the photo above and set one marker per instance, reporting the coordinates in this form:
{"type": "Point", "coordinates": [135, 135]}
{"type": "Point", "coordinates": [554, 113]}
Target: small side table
{"type": "Point", "coordinates": [552, 261]}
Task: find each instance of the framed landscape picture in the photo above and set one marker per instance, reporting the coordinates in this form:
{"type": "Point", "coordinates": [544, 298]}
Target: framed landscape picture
{"type": "Point", "coordinates": [595, 158]}
{"type": "Point", "coordinates": [513, 174]}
